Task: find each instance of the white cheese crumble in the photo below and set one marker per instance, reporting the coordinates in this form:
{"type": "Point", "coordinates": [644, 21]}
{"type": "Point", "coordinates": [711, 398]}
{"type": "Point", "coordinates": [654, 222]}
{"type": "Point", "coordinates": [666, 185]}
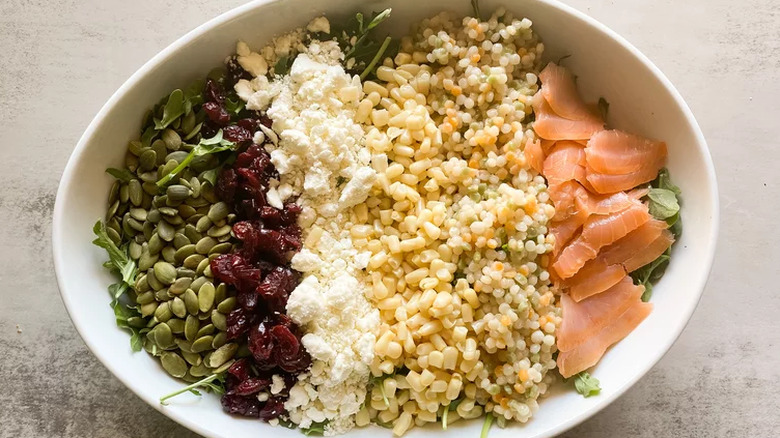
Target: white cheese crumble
{"type": "Point", "coordinates": [323, 164]}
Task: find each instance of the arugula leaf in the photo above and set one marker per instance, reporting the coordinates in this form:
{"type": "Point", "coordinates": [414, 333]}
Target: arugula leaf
{"type": "Point", "coordinates": [362, 51]}
{"type": "Point", "coordinates": [206, 146]}
{"type": "Point", "coordinates": [663, 203]}
{"type": "Point", "coordinates": [663, 181]}
{"type": "Point", "coordinates": [148, 136]}
{"type": "Point", "coordinates": [651, 273]}
{"type": "Point", "coordinates": [123, 175]}
{"type": "Point", "coordinates": [234, 107]}
{"type": "Point", "coordinates": [486, 425]}
{"type": "Point", "coordinates": [586, 384]}
{"type": "Point", "coordinates": [287, 423]}
{"type": "Point", "coordinates": [450, 407]}
{"type": "Point", "coordinates": [172, 110]}
{"type": "Point", "coordinates": [118, 258]}
{"type": "Point", "coordinates": [194, 94]}
{"type": "Point", "coordinates": [316, 429]}
{"type": "Point", "coordinates": [505, 247]}
{"type": "Point", "coordinates": [475, 7]}
{"type": "Point", "coordinates": [214, 382]}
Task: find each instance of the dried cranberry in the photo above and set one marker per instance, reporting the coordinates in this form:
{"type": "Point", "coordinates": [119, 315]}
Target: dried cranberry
{"type": "Point", "coordinates": [273, 408]}
{"type": "Point", "coordinates": [226, 185]}
{"type": "Point", "coordinates": [276, 287]}
{"type": "Point", "coordinates": [214, 92]}
{"type": "Point", "coordinates": [237, 323]}
{"type": "Point", "coordinates": [290, 213]}
{"type": "Point", "coordinates": [240, 369]}
{"type": "Point", "coordinates": [236, 134]}
{"type": "Point", "coordinates": [237, 404]}
{"type": "Point", "coordinates": [216, 113]}
{"type": "Point", "coordinates": [235, 72]}
{"type": "Point", "coordinates": [272, 217]}
{"type": "Point", "coordinates": [251, 386]}
{"type": "Point", "coordinates": [261, 344]}
{"type": "Point", "coordinates": [209, 129]}
{"type": "Point", "coordinates": [289, 354]}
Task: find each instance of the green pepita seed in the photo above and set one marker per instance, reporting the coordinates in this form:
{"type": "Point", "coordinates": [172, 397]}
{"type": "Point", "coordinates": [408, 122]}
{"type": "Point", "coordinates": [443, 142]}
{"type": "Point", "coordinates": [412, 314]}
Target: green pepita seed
{"type": "Point", "coordinates": [207, 190]}
{"type": "Point", "coordinates": [198, 283]}
{"type": "Point", "coordinates": [141, 284]}
{"type": "Point", "coordinates": [160, 201]}
{"type": "Point", "coordinates": [166, 168]}
{"type": "Point", "coordinates": [191, 262]}
{"type": "Point", "coordinates": [146, 260]}
{"type": "Point", "coordinates": [224, 367]}
{"type": "Point", "coordinates": [159, 147]}
{"type": "Point", "coordinates": [176, 325]}
{"type": "Point", "coordinates": [178, 307]}
{"type": "Point", "coordinates": [184, 346]}
{"type": "Point", "coordinates": [220, 339]}
{"type": "Point", "coordinates": [207, 272]}
{"type": "Point", "coordinates": [221, 355]}
{"type": "Point", "coordinates": [150, 188]}
{"type": "Point", "coordinates": [180, 285]}
{"type": "Point", "coordinates": [155, 244]}
{"type": "Point", "coordinates": [112, 210]}
{"type": "Point", "coordinates": [161, 335]}
{"type": "Point", "coordinates": [184, 252]}
{"type": "Point", "coordinates": [205, 244]}
{"type": "Point", "coordinates": [154, 216]}
{"type": "Point", "coordinates": [177, 192]}
{"type": "Point", "coordinates": [131, 162]}
{"type": "Point", "coordinates": [221, 293]}
{"type": "Point", "coordinates": [177, 156]}
{"type": "Point", "coordinates": [186, 211]}
{"type": "Point", "coordinates": [191, 327]}
{"type": "Point", "coordinates": [147, 160]}
{"type": "Point", "coordinates": [135, 147]}
{"type": "Point", "coordinates": [148, 230]}
{"type": "Point", "coordinates": [221, 248]}
{"type": "Point", "coordinates": [166, 231]}
{"type": "Point", "coordinates": [151, 278]}
{"type": "Point", "coordinates": [173, 364]}
{"type": "Point", "coordinates": [191, 301]}
{"type": "Point", "coordinates": [195, 186]}
{"type": "Point", "coordinates": [126, 228]}
{"type": "Point", "coordinates": [218, 211]}
{"type": "Point", "coordinates": [219, 320]}
{"type": "Point", "coordinates": [200, 370]}
{"type": "Point", "coordinates": [135, 250]}
{"type": "Point", "coordinates": [163, 313]}
{"type": "Point", "coordinates": [189, 378]}
{"type": "Point", "coordinates": [194, 131]}
{"type": "Point", "coordinates": [202, 266]}
{"type": "Point", "coordinates": [165, 272]}
{"type": "Point", "coordinates": [192, 233]}
{"type": "Point", "coordinates": [151, 348]}
{"type": "Point", "coordinates": [184, 272]}
{"type": "Point", "coordinates": [206, 296]}
{"type": "Point", "coordinates": [136, 193]}
{"type": "Point", "coordinates": [148, 177]}
{"type": "Point", "coordinates": [227, 305]}
{"type": "Point", "coordinates": [136, 322]}
{"type": "Point", "coordinates": [114, 236]}
{"type": "Point", "coordinates": [113, 194]}
{"type": "Point", "coordinates": [203, 224]}
{"type": "Point", "coordinates": [202, 344]}
{"type": "Point", "coordinates": [168, 211]}
{"type": "Point", "coordinates": [180, 240]}
{"type": "Point", "coordinates": [207, 329]}
{"type": "Point", "coordinates": [168, 254]}
{"type": "Point", "coordinates": [148, 309]}
{"type": "Point", "coordinates": [192, 358]}
{"type": "Point", "coordinates": [171, 139]}
{"type": "Point", "coordinates": [134, 224]}
{"type": "Point", "coordinates": [124, 193]}
{"type": "Point", "coordinates": [219, 231]}
{"type": "Point", "coordinates": [145, 298]}
{"type": "Point", "coordinates": [174, 220]}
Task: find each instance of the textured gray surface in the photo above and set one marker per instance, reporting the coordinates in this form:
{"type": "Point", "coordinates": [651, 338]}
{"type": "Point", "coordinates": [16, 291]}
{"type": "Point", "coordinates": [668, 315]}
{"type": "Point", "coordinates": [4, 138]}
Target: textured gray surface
{"type": "Point", "coordinates": [62, 59]}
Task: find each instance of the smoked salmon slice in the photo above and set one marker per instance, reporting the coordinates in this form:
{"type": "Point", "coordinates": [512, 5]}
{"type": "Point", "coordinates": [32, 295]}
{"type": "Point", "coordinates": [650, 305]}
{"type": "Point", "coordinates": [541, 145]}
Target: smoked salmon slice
{"type": "Point", "coordinates": [640, 246]}
{"type": "Point", "coordinates": [534, 155]}
{"type": "Point", "coordinates": [592, 350]}
{"type": "Point", "coordinates": [598, 232]}
{"type": "Point", "coordinates": [616, 152]}
{"type": "Point", "coordinates": [595, 277]}
{"type": "Point", "coordinates": [611, 183]}
{"type": "Point", "coordinates": [564, 230]}
{"type": "Point", "coordinates": [560, 92]}
{"type": "Point", "coordinates": [585, 319]}
{"type": "Point", "coordinates": [551, 126]}
{"type": "Point", "coordinates": [564, 162]}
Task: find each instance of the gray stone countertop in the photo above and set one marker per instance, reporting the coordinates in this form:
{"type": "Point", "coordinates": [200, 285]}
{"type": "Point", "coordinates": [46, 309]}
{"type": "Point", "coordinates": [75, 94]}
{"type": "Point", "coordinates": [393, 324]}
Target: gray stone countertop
{"type": "Point", "coordinates": [62, 59]}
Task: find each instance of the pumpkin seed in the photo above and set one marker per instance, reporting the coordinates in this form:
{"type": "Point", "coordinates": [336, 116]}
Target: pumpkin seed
{"type": "Point", "coordinates": [166, 231]}
{"type": "Point", "coordinates": [155, 244]}
{"type": "Point", "coordinates": [163, 313]}
{"type": "Point", "coordinates": [173, 364]}
{"type": "Point", "coordinates": [195, 185]}
{"type": "Point", "coordinates": [134, 249]}
{"type": "Point", "coordinates": [124, 193]}
{"type": "Point", "coordinates": [192, 358]}
{"type": "Point", "coordinates": [174, 220]}
{"type": "Point", "coordinates": [151, 278]}
{"type": "Point", "coordinates": [184, 272]}
{"type": "Point", "coordinates": [180, 285]}
{"type": "Point", "coordinates": [168, 211]}
{"type": "Point", "coordinates": [146, 260]}
{"type": "Point", "coordinates": [219, 231]}
{"type": "Point", "coordinates": [218, 211]}
{"type": "Point", "coordinates": [178, 192]}
{"type": "Point", "coordinates": [202, 266]}
{"type": "Point", "coordinates": [227, 305]}
{"type": "Point", "coordinates": [220, 339]}
{"type": "Point", "coordinates": [114, 236]}
{"type": "Point", "coordinates": [184, 252]}
{"type": "Point", "coordinates": [136, 322]}
{"type": "Point", "coordinates": [184, 346]}
{"type": "Point", "coordinates": [165, 272]}
{"type": "Point", "coordinates": [148, 230]}
{"type": "Point", "coordinates": [150, 188]}
{"type": "Point", "coordinates": [219, 320]}
{"type": "Point", "coordinates": [145, 298]}
{"type": "Point", "coordinates": [177, 156]}
{"type": "Point", "coordinates": [151, 348]}
{"type": "Point", "coordinates": [166, 168]}
{"type": "Point", "coordinates": [112, 209]}
{"type": "Point", "coordinates": [126, 228]}
{"type": "Point", "coordinates": [198, 202]}
{"type": "Point", "coordinates": [192, 233]}
{"type": "Point", "coordinates": [176, 325]}
{"type": "Point", "coordinates": [148, 177]}
{"type": "Point", "coordinates": [147, 160]}
{"type": "Point", "coordinates": [171, 139]}
{"type": "Point", "coordinates": [192, 261]}
{"type": "Point", "coordinates": [188, 122]}
{"type": "Point", "coordinates": [191, 301]}
{"type": "Point", "coordinates": [200, 370]}
{"type": "Point", "coordinates": [207, 272]}
{"type": "Point", "coordinates": [221, 355]}
{"type": "Point", "coordinates": [148, 309]}
{"type": "Point", "coordinates": [168, 254]}
{"type": "Point", "coordinates": [224, 367]}
{"type": "Point", "coordinates": [136, 193]}
{"type": "Point", "coordinates": [189, 378]}
{"type": "Point", "coordinates": [159, 147]}
{"type": "Point", "coordinates": [207, 329]}
{"type": "Point", "coordinates": [221, 248]}
{"type": "Point", "coordinates": [221, 293]}
{"type": "Point", "coordinates": [178, 308]}
{"type": "Point", "coordinates": [161, 335]}
{"type": "Point", "coordinates": [207, 190]}
{"type": "Point", "coordinates": [186, 211]}
{"type": "Point", "coordinates": [154, 216]}
{"type": "Point", "coordinates": [206, 296]}
{"type": "Point", "coordinates": [203, 224]}
{"type": "Point", "coordinates": [141, 284]}
{"type": "Point", "coordinates": [191, 327]}
{"type": "Point", "coordinates": [131, 162]}
{"type": "Point", "coordinates": [135, 147]}
{"type": "Point", "coordinates": [205, 244]}
{"type": "Point", "coordinates": [202, 344]}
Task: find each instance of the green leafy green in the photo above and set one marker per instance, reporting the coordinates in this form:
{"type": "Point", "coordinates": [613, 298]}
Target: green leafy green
{"type": "Point", "coordinates": [193, 95]}
{"type": "Point", "coordinates": [362, 51]}
{"type": "Point", "coordinates": [316, 429]}
{"type": "Point", "coordinates": [172, 110]}
{"type": "Point", "coordinates": [379, 381]}
{"type": "Point", "coordinates": [148, 136]}
{"type": "Point", "coordinates": [206, 146]}
{"type": "Point", "coordinates": [475, 7]}
{"type": "Point", "coordinates": [214, 382]}
{"type": "Point", "coordinates": [486, 425]}
{"type": "Point", "coordinates": [663, 203]}
{"type": "Point", "coordinates": [234, 106]}
{"type": "Point", "coordinates": [603, 108]}
{"type": "Point", "coordinates": [283, 65]}
{"type": "Point", "coordinates": [586, 384]}
{"type": "Point", "coordinates": [120, 263]}
{"type": "Point", "coordinates": [287, 423]}
{"type": "Point", "coordinates": [447, 409]}
{"type": "Point", "coordinates": [649, 274]}
{"type": "Point", "coordinates": [123, 175]}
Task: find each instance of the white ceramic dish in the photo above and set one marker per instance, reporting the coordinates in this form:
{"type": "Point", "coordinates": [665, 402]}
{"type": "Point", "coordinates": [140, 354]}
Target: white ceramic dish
{"type": "Point", "coordinates": [641, 100]}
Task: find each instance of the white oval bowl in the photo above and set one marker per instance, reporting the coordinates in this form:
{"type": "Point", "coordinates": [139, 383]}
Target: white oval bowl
{"type": "Point", "coordinates": [642, 100]}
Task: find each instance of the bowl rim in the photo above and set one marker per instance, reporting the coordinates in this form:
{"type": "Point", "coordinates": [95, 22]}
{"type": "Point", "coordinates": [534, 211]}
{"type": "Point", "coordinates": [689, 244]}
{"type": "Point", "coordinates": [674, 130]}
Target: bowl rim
{"type": "Point", "coordinates": [68, 173]}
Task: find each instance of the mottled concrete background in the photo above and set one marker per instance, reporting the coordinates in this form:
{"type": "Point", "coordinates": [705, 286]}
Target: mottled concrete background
{"type": "Point", "coordinates": [61, 60]}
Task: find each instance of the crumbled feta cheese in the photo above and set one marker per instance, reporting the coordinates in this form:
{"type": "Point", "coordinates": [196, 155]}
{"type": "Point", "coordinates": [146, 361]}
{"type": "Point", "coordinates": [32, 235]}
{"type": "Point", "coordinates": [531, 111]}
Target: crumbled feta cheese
{"type": "Point", "coordinates": [254, 63]}
{"type": "Point", "coordinates": [319, 24]}
{"type": "Point", "coordinates": [277, 384]}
